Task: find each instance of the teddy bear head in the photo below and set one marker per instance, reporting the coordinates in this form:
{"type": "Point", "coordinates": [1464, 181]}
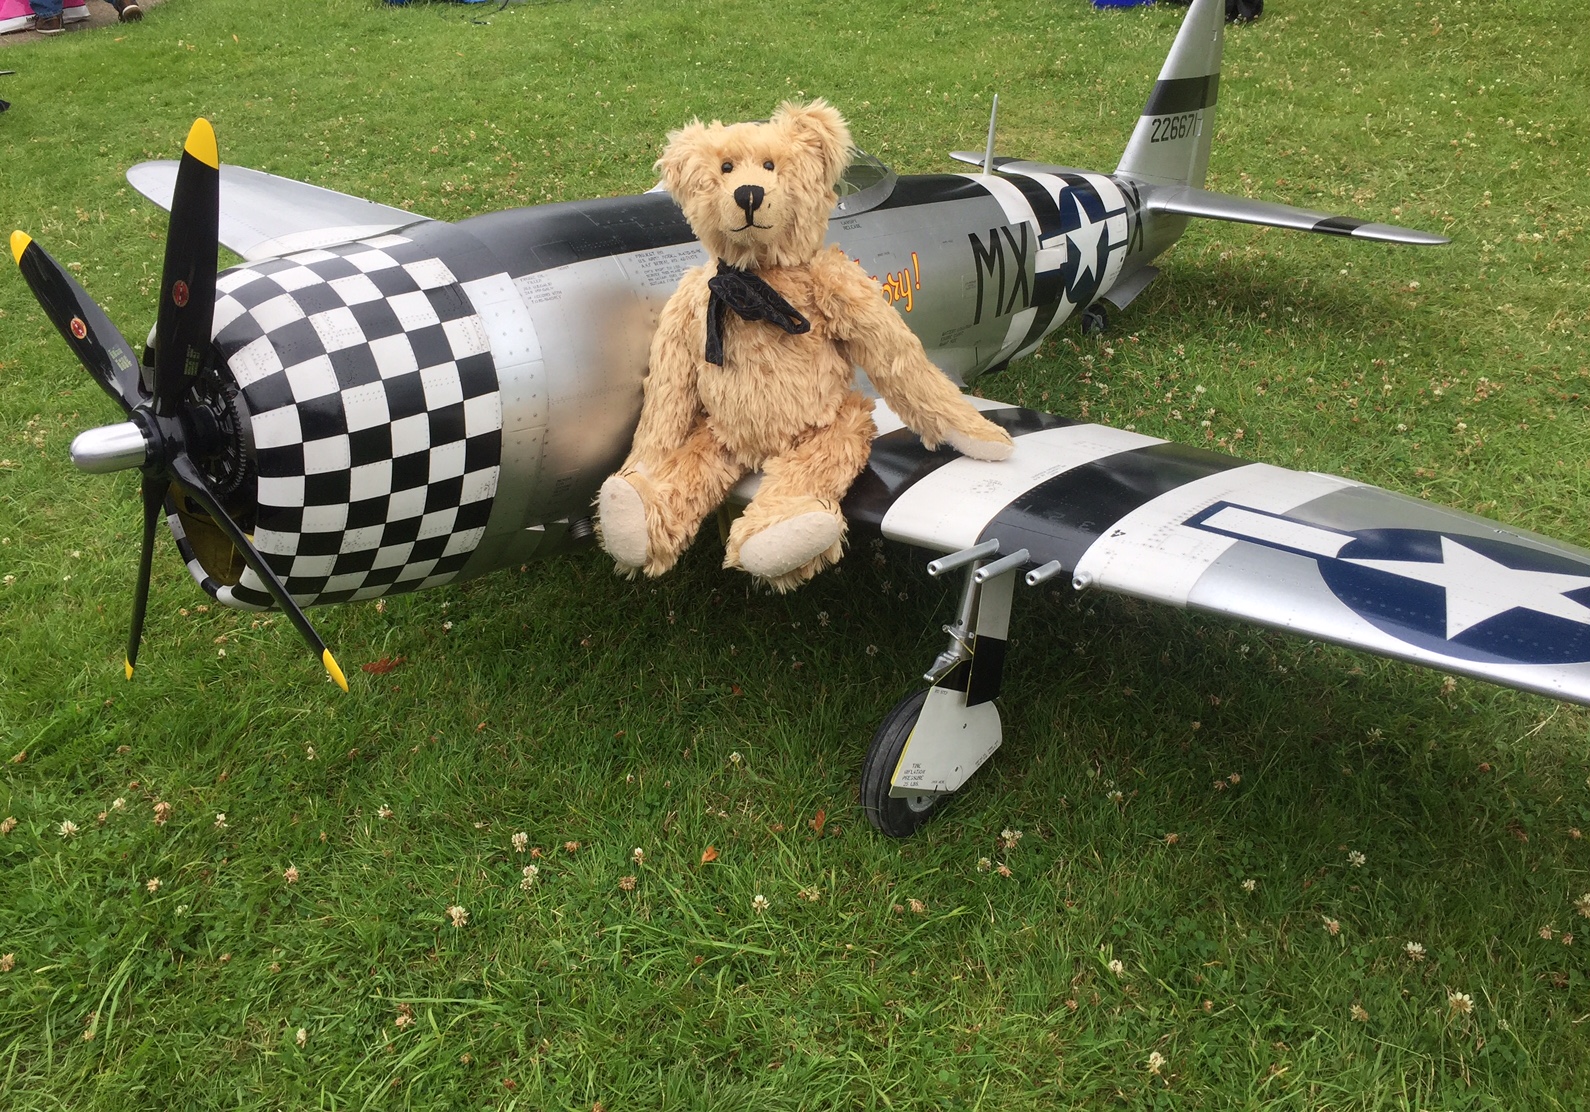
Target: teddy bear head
{"type": "Point", "coordinates": [759, 194]}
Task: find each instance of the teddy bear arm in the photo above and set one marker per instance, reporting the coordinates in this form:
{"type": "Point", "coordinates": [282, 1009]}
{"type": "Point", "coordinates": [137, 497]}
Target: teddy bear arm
{"type": "Point", "coordinates": [670, 403]}
{"type": "Point", "coordinates": [920, 394]}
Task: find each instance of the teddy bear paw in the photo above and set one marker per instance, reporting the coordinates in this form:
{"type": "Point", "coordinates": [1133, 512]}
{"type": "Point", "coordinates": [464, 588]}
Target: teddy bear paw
{"type": "Point", "coordinates": [786, 545]}
{"type": "Point", "coordinates": [979, 448]}
{"type": "Point", "coordinates": [622, 516]}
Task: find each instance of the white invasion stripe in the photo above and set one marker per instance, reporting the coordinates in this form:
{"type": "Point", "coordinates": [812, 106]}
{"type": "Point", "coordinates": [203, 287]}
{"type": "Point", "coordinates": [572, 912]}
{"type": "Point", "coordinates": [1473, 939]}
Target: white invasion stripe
{"type": "Point", "coordinates": [1020, 325]}
{"type": "Point", "coordinates": [948, 509]}
{"type": "Point", "coordinates": [1010, 198]}
{"type": "Point", "coordinates": [1278, 531]}
{"type": "Point", "coordinates": [1151, 554]}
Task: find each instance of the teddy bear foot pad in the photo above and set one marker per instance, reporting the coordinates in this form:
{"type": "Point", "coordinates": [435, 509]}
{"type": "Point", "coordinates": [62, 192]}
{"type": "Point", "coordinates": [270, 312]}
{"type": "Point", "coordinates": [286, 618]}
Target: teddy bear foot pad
{"type": "Point", "coordinates": [781, 548]}
{"type": "Point", "coordinates": [623, 517]}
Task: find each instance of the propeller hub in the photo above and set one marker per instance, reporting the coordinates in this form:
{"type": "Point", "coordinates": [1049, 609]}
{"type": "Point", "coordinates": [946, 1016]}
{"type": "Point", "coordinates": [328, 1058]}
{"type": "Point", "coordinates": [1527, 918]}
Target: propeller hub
{"type": "Point", "coordinates": [117, 447]}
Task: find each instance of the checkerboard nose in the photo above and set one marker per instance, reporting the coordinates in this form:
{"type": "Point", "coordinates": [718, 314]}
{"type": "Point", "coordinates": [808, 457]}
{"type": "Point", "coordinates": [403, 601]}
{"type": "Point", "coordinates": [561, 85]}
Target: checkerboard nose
{"type": "Point", "coordinates": [367, 378]}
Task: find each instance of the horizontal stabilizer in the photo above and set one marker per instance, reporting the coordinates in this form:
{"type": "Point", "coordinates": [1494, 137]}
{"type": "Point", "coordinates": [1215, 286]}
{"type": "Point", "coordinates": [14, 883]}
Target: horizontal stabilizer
{"type": "Point", "coordinates": [1186, 201]}
{"type": "Point", "coordinates": [263, 215]}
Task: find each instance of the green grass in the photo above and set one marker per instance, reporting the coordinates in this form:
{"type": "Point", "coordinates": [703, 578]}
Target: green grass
{"type": "Point", "coordinates": [574, 706]}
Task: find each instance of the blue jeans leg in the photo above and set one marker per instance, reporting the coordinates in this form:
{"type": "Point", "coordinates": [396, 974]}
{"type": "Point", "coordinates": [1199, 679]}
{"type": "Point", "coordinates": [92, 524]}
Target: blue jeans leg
{"type": "Point", "coordinates": [44, 9]}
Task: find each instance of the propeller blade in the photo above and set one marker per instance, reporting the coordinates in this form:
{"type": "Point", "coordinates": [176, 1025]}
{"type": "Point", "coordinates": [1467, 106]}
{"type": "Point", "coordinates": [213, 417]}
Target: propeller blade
{"type": "Point", "coordinates": [193, 481]}
{"type": "Point", "coordinates": [187, 280]}
{"type": "Point", "coordinates": [96, 342]}
{"type": "Point", "coordinates": [154, 498]}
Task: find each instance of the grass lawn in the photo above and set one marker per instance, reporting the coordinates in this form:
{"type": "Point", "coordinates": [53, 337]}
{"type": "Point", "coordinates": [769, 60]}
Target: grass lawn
{"type": "Point", "coordinates": [1290, 875]}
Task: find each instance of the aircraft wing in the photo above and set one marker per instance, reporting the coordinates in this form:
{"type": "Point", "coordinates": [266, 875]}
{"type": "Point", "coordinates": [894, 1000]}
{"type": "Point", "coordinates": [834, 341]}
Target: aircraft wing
{"type": "Point", "coordinates": [1318, 555]}
{"type": "Point", "coordinates": [263, 216]}
{"type": "Point", "coordinates": [1184, 200]}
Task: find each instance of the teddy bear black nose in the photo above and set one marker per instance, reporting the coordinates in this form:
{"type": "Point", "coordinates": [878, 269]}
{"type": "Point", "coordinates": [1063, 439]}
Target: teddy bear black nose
{"type": "Point", "coordinates": [749, 198]}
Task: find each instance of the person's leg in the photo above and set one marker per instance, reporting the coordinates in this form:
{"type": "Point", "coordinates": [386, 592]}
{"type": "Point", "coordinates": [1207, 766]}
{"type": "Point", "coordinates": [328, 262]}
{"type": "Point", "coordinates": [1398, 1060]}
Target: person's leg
{"type": "Point", "coordinates": [47, 16]}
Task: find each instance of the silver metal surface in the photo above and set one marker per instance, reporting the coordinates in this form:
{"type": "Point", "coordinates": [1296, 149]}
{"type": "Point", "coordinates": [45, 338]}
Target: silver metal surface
{"type": "Point", "coordinates": [965, 556]}
{"type": "Point", "coordinates": [117, 447]}
{"type": "Point", "coordinates": [1045, 573]}
{"type": "Point", "coordinates": [1187, 201]}
{"type": "Point", "coordinates": [263, 215]}
{"type": "Point", "coordinates": [1002, 566]}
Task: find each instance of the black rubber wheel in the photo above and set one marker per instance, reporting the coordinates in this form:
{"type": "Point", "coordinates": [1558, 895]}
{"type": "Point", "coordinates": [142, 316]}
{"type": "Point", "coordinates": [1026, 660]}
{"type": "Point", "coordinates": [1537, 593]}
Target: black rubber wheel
{"type": "Point", "coordinates": [1095, 321]}
{"type": "Point", "coordinates": [896, 817]}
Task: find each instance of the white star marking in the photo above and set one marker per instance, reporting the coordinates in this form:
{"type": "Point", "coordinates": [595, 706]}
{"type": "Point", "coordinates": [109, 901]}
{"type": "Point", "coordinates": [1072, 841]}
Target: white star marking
{"type": "Point", "coordinates": [1479, 588]}
{"type": "Point", "coordinates": [1086, 240]}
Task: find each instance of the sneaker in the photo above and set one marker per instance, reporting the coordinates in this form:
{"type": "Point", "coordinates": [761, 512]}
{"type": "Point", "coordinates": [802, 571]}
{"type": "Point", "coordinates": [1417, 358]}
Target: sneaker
{"type": "Point", "coordinates": [50, 26]}
{"type": "Point", "coordinates": [131, 13]}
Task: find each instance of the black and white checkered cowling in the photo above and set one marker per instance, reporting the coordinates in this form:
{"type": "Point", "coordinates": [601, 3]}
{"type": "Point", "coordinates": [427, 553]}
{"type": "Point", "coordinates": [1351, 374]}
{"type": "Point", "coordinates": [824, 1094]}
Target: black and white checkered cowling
{"type": "Point", "coordinates": [377, 423]}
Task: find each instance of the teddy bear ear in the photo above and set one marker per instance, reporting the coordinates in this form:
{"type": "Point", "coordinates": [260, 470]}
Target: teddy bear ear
{"type": "Point", "coordinates": [683, 158]}
{"type": "Point", "coordinates": [822, 130]}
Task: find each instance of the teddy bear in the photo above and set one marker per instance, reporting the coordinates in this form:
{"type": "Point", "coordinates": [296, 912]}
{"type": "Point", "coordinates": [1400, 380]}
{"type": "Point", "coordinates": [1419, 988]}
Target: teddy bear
{"type": "Point", "coordinates": [751, 364]}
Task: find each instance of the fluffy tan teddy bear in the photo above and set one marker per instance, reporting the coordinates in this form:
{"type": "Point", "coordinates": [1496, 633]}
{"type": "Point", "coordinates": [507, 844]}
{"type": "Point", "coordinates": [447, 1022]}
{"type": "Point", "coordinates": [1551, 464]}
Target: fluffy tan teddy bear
{"type": "Point", "coordinates": [751, 363]}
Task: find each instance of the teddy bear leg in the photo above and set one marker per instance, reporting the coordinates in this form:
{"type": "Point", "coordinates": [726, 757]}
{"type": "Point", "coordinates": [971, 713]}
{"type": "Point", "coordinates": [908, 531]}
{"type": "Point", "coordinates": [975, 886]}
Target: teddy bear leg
{"type": "Point", "coordinates": [656, 512]}
{"type": "Point", "coordinates": [793, 527]}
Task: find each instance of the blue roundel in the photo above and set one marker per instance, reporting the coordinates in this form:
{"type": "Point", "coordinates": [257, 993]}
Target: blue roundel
{"type": "Point", "coordinates": [1510, 604]}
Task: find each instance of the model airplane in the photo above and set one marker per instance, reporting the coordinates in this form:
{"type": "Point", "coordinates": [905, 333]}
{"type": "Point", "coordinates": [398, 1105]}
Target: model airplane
{"type": "Point", "coordinates": [374, 403]}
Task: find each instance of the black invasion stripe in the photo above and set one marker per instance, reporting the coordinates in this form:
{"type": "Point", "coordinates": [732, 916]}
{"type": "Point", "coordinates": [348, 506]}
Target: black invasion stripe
{"type": "Point", "coordinates": [1182, 94]}
{"type": "Point", "coordinates": [928, 189]}
{"type": "Point", "coordinates": [1059, 519]}
{"type": "Point", "coordinates": [1339, 225]}
{"type": "Point", "coordinates": [1043, 205]}
{"type": "Point", "coordinates": [899, 461]}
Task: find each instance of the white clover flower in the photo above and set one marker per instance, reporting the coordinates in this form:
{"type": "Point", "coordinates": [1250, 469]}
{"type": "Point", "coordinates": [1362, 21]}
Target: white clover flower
{"type": "Point", "coordinates": [1250, 885]}
{"type": "Point", "coordinates": [220, 820]}
{"type": "Point", "coordinates": [530, 874]}
{"type": "Point", "coordinates": [1461, 1003]}
{"type": "Point", "coordinates": [637, 855]}
{"type": "Point", "coordinates": [1156, 1060]}
{"type": "Point", "coordinates": [759, 903]}
{"type": "Point", "coordinates": [521, 842]}
{"type": "Point", "coordinates": [1356, 859]}
{"type": "Point", "coordinates": [67, 829]}
{"type": "Point", "coordinates": [152, 884]}
{"type": "Point", "coordinates": [301, 1038]}
{"type": "Point", "coordinates": [1117, 967]}
{"type": "Point", "coordinates": [1414, 950]}
{"type": "Point", "coordinates": [458, 915]}
{"type": "Point", "coordinates": [290, 874]}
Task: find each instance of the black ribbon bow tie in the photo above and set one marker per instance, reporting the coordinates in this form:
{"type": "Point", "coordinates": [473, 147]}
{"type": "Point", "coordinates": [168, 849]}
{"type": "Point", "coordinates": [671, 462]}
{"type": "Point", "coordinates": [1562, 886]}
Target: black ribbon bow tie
{"type": "Point", "coordinates": [753, 299]}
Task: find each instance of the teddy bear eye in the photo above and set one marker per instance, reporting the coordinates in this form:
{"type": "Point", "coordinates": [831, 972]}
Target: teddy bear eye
{"type": "Point", "coordinates": [768, 165]}
{"type": "Point", "coordinates": [728, 167]}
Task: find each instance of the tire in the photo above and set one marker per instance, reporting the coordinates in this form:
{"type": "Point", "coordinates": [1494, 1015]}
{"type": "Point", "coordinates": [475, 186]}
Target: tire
{"type": "Point", "coordinates": [896, 817]}
{"type": "Point", "coordinates": [1095, 321]}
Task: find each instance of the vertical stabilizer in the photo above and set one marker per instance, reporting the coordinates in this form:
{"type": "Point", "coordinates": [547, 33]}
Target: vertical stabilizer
{"type": "Point", "coordinates": [1171, 143]}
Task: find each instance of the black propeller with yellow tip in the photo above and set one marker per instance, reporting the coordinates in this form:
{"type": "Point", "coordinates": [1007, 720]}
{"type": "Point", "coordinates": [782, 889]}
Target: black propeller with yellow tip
{"type": "Point", "coordinates": [181, 425]}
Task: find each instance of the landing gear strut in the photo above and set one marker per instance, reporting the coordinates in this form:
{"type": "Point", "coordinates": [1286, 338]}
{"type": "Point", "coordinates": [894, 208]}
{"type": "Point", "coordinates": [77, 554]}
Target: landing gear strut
{"type": "Point", "coordinates": [933, 740]}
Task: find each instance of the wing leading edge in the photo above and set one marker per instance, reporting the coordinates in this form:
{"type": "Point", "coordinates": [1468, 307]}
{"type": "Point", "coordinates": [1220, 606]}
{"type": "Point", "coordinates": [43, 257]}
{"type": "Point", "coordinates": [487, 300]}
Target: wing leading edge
{"type": "Point", "coordinates": [263, 216]}
{"type": "Point", "coordinates": [1314, 554]}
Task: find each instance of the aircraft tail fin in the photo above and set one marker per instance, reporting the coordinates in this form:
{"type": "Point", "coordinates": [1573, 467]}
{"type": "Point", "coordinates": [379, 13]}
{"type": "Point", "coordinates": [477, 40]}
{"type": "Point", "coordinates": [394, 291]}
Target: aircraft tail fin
{"type": "Point", "coordinates": [1171, 143]}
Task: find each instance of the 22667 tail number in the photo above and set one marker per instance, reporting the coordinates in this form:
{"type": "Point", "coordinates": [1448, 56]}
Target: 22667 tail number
{"type": "Point", "coordinates": [1167, 128]}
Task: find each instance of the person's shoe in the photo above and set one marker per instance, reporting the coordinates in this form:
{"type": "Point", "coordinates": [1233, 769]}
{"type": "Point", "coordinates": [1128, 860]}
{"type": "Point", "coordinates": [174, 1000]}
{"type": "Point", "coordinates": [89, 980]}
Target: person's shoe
{"type": "Point", "coordinates": [51, 26]}
{"type": "Point", "coordinates": [131, 13]}
{"type": "Point", "coordinates": [75, 15]}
